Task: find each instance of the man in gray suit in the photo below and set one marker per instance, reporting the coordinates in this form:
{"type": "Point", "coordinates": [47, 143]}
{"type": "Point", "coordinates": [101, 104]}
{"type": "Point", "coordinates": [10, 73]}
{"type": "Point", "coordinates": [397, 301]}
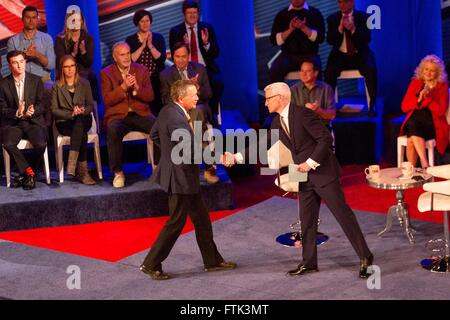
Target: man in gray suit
{"type": "Point", "coordinates": [196, 72]}
{"type": "Point", "coordinates": [181, 182]}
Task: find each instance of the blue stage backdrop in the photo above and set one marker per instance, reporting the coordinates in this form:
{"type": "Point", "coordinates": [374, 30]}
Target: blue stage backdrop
{"type": "Point", "coordinates": [234, 24]}
{"type": "Point", "coordinates": [410, 29]}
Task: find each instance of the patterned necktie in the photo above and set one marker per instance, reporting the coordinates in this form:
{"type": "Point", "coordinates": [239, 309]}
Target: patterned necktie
{"type": "Point", "coordinates": [194, 49]}
{"type": "Point", "coordinates": [182, 74]}
{"type": "Point", "coordinates": [190, 122]}
{"type": "Point", "coordinates": [284, 126]}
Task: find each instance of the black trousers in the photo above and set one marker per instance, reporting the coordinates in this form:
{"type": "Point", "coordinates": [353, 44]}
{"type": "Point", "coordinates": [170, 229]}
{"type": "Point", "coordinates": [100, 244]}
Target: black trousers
{"type": "Point", "coordinates": [24, 129]}
{"type": "Point", "coordinates": [286, 63]}
{"type": "Point", "coordinates": [365, 63]}
{"type": "Point", "coordinates": [217, 87]}
{"type": "Point", "coordinates": [180, 205]}
{"type": "Point", "coordinates": [117, 129]}
{"type": "Point", "coordinates": [309, 199]}
{"type": "Point", "coordinates": [77, 129]}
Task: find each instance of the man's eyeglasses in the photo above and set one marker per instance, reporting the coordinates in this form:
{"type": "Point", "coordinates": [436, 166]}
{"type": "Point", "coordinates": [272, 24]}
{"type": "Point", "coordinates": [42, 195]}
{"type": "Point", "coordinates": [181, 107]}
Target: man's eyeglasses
{"type": "Point", "coordinates": [268, 98]}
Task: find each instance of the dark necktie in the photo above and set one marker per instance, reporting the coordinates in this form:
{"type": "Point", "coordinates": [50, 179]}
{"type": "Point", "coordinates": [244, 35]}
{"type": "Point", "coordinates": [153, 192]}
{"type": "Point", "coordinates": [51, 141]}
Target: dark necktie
{"type": "Point", "coordinates": [194, 49]}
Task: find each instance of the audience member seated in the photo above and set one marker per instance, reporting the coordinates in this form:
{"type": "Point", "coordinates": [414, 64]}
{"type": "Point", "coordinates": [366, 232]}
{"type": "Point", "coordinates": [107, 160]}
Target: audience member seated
{"type": "Point", "coordinates": [127, 92]}
{"type": "Point", "coordinates": [298, 30]}
{"type": "Point", "coordinates": [37, 45]}
{"type": "Point", "coordinates": [204, 48]}
{"type": "Point", "coordinates": [349, 35]}
{"type": "Point", "coordinates": [425, 103]}
{"type": "Point", "coordinates": [183, 69]}
{"type": "Point", "coordinates": [22, 117]}
{"type": "Point", "coordinates": [75, 40]}
{"type": "Point", "coordinates": [39, 53]}
{"type": "Point", "coordinates": [72, 104]}
{"type": "Point", "coordinates": [149, 49]}
{"type": "Point", "coordinates": [314, 94]}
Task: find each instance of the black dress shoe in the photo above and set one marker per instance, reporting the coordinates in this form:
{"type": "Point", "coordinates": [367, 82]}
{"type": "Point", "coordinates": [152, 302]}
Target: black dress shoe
{"type": "Point", "coordinates": [364, 264]}
{"type": "Point", "coordinates": [154, 274]}
{"type": "Point", "coordinates": [225, 265]}
{"type": "Point", "coordinates": [302, 269]}
{"type": "Point", "coordinates": [18, 181]}
{"type": "Point", "coordinates": [29, 183]}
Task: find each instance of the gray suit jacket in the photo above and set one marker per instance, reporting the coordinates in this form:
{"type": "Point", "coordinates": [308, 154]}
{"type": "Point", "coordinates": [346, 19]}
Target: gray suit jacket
{"type": "Point", "coordinates": [62, 103]}
{"type": "Point", "coordinates": [175, 178]}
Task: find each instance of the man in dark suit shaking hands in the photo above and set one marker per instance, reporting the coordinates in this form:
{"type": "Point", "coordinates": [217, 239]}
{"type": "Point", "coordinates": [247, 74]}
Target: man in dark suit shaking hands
{"type": "Point", "coordinates": [181, 181]}
{"type": "Point", "coordinates": [303, 132]}
{"type": "Point", "coordinates": [22, 117]}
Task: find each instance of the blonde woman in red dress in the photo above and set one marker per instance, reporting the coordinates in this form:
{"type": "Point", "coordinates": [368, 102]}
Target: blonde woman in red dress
{"type": "Point", "coordinates": [426, 103]}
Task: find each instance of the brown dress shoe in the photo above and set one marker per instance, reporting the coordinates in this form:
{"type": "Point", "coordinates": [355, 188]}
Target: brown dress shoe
{"type": "Point", "coordinates": [154, 274]}
{"type": "Point", "coordinates": [225, 265]}
{"type": "Point", "coordinates": [211, 175]}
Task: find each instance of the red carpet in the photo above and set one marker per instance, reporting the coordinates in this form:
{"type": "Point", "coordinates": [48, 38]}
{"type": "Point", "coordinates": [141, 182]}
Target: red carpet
{"type": "Point", "coordinates": [109, 241]}
{"type": "Point", "coordinates": [113, 241]}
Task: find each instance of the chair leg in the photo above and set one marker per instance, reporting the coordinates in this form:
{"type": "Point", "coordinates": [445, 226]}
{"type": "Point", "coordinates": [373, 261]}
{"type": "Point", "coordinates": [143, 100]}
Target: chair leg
{"type": "Point", "coordinates": [431, 156]}
{"type": "Point", "coordinates": [336, 94]}
{"type": "Point", "coordinates": [446, 235]}
{"type": "Point", "coordinates": [46, 166]}
{"type": "Point", "coordinates": [400, 153]}
{"type": "Point", "coordinates": [367, 94]}
{"type": "Point", "coordinates": [219, 115]}
{"type": "Point", "coordinates": [7, 162]}
{"type": "Point", "coordinates": [59, 160]}
{"type": "Point", "coordinates": [98, 161]}
{"type": "Point", "coordinates": [150, 153]}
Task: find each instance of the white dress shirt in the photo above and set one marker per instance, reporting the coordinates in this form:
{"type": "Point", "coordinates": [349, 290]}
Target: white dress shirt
{"type": "Point", "coordinates": [20, 88]}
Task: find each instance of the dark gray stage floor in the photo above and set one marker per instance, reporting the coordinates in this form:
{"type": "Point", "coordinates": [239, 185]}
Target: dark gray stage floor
{"type": "Point", "coordinates": [248, 239]}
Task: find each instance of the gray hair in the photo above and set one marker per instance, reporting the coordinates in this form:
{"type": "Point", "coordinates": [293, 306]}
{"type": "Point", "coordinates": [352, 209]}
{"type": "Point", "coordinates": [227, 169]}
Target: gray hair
{"type": "Point", "coordinates": [119, 44]}
{"type": "Point", "coordinates": [280, 88]}
{"type": "Point", "coordinates": [179, 89]}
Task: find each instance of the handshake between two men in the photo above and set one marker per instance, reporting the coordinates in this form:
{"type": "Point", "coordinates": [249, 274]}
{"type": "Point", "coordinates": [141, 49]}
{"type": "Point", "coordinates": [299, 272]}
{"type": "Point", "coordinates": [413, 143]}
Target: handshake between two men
{"type": "Point", "coordinates": [229, 160]}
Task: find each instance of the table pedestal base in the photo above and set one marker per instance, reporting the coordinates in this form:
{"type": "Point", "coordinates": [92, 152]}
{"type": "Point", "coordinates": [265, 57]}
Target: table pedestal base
{"type": "Point", "coordinates": [400, 210]}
